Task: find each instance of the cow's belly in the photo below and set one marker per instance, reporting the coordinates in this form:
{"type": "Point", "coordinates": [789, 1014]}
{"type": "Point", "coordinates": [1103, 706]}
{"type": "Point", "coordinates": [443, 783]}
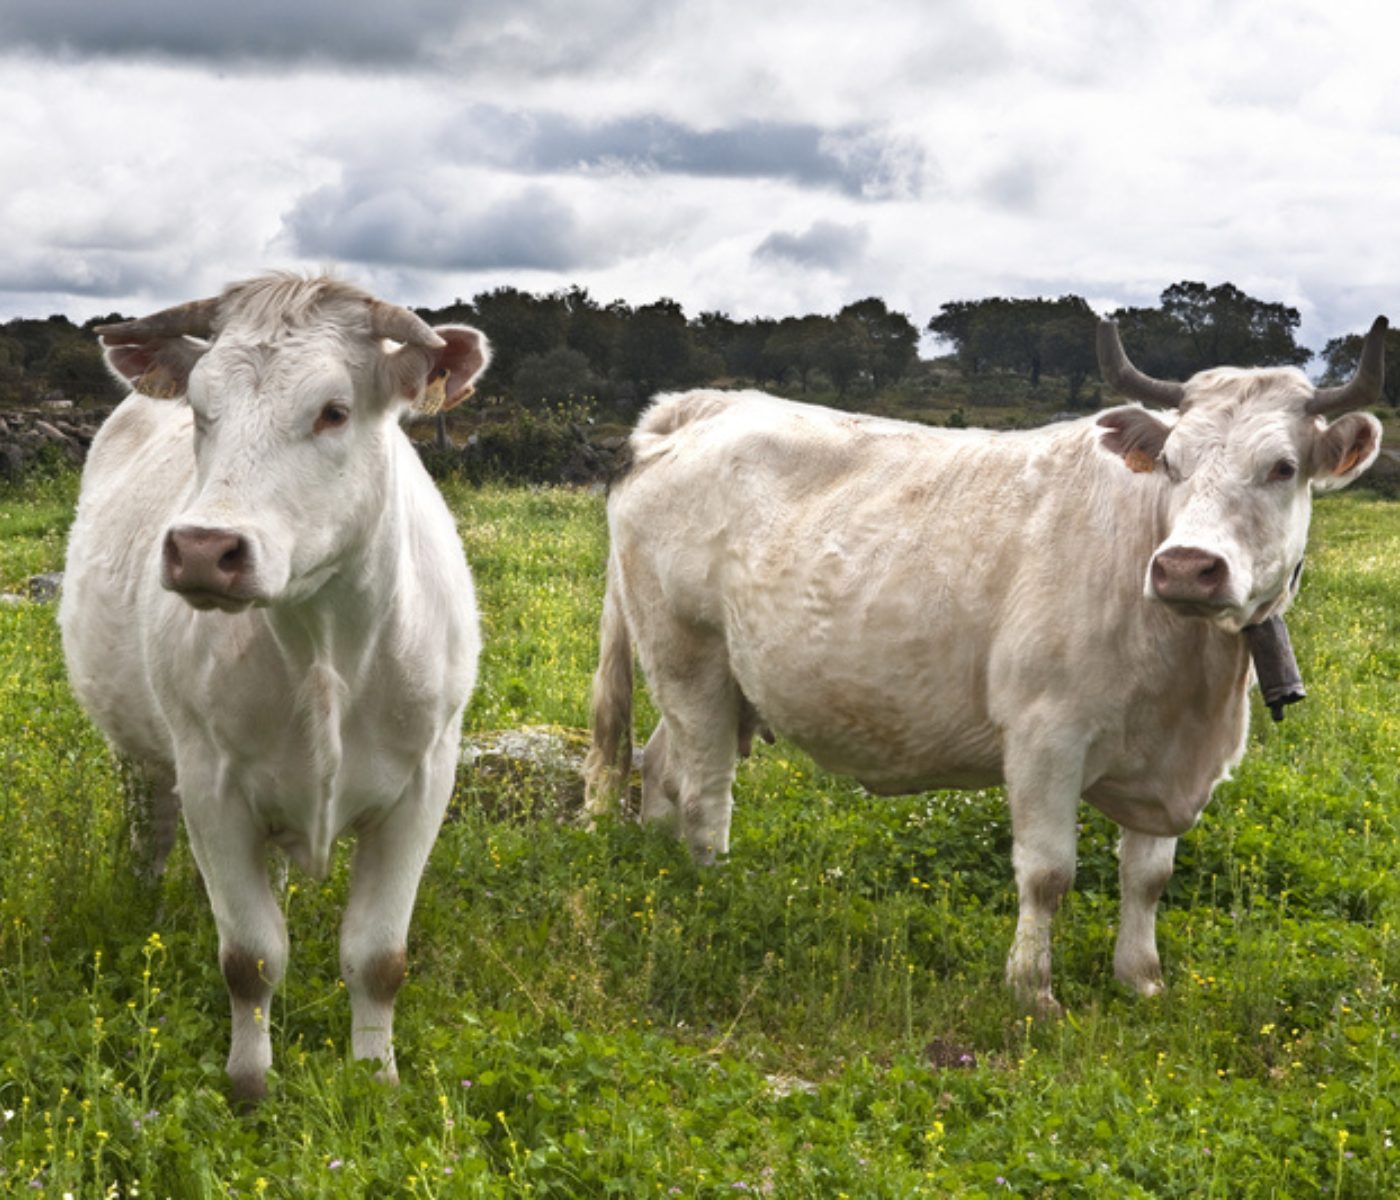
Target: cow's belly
{"type": "Point", "coordinates": [1151, 808]}
{"type": "Point", "coordinates": [899, 759]}
{"type": "Point", "coordinates": [904, 717]}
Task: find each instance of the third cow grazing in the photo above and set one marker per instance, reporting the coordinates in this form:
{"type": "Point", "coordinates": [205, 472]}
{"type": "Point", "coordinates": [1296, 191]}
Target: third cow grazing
{"type": "Point", "coordinates": [1061, 611]}
{"type": "Point", "coordinates": [268, 610]}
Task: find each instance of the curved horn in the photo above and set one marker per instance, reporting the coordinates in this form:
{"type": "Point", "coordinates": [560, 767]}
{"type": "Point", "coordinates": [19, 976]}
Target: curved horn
{"type": "Point", "coordinates": [1122, 376]}
{"type": "Point", "coordinates": [195, 318]}
{"type": "Point", "coordinates": [392, 321]}
{"type": "Point", "coordinates": [1364, 387]}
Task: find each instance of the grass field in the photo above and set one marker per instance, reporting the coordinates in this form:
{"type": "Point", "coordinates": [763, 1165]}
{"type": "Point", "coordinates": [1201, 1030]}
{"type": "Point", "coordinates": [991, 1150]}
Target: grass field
{"type": "Point", "coordinates": [589, 1015]}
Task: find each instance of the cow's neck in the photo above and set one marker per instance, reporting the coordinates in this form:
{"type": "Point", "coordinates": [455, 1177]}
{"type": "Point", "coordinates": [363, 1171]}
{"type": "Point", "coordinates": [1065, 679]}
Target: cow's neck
{"type": "Point", "coordinates": [336, 627]}
{"type": "Point", "coordinates": [329, 643]}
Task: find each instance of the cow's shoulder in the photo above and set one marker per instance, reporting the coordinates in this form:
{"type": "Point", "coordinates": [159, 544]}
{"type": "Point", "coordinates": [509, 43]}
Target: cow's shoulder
{"type": "Point", "coordinates": [137, 422]}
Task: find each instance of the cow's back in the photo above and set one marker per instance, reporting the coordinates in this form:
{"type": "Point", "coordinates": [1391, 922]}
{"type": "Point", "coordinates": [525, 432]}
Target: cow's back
{"type": "Point", "coordinates": [138, 471]}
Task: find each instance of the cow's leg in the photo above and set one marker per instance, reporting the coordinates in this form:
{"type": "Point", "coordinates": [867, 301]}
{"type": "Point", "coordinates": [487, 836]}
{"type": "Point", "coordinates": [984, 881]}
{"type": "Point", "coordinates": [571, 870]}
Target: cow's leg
{"type": "Point", "coordinates": [700, 700]}
{"type": "Point", "coordinates": [384, 874]}
{"type": "Point", "coordinates": [1144, 867]}
{"type": "Point", "coordinates": [704, 745]}
{"type": "Point", "coordinates": [1043, 783]}
{"type": "Point", "coordinates": [231, 854]}
{"type": "Point", "coordinates": [660, 790]}
{"type": "Point", "coordinates": [154, 808]}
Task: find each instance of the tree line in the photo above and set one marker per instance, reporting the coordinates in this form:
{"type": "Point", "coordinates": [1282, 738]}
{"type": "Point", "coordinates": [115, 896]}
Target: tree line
{"type": "Point", "coordinates": [1194, 327]}
{"type": "Point", "coordinates": [566, 344]}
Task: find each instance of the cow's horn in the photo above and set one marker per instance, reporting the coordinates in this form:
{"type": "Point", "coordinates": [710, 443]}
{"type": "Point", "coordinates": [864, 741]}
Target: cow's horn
{"type": "Point", "coordinates": [1122, 376]}
{"type": "Point", "coordinates": [392, 321]}
{"type": "Point", "coordinates": [1365, 386]}
{"type": "Point", "coordinates": [195, 318]}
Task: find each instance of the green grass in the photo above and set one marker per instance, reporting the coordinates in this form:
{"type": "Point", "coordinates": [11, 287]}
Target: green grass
{"type": "Point", "coordinates": [589, 1015]}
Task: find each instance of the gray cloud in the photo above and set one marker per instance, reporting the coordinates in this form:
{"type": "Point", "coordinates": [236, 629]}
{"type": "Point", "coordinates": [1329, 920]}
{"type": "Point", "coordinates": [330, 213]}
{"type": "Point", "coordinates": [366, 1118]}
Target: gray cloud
{"type": "Point", "coordinates": [252, 29]}
{"type": "Point", "coordinates": [369, 222]}
{"type": "Point", "coordinates": [542, 34]}
{"type": "Point", "coordinates": [90, 272]}
{"type": "Point", "coordinates": [860, 161]}
{"type": "Point", "coordinates": [849, 160]}
{"type": "Point", "coordinates": [825, 244]}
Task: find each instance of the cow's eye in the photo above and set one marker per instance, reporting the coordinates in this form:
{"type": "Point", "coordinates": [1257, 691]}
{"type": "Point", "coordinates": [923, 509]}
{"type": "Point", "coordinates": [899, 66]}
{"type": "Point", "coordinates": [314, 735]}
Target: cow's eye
{"type": "Point", "coordinates": [332, 416]}
{"type": "Point", "coordinates": [1282, 470]}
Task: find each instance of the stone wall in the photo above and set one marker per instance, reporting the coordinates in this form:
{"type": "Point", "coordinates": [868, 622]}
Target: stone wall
{"type": "Point", "coordinates": [56, 430]}
{"type": "Point", "coordinates": [508, 445]}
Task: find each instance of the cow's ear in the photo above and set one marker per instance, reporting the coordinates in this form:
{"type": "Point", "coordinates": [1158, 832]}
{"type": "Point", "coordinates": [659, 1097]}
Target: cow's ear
{"type": "Point", "coordinates": [1134, 435]}
{"type": "Point", "coordinates": [1344, 450]}
{"type": "Point", "coordinates": [159, 367]}
{"type": "Point", "coordinates": [436, 379]}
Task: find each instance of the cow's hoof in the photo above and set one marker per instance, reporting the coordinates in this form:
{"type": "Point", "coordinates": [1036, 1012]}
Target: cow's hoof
{"type": "Point", "coordinates": [246, 1092]}
{"type": "Point", "coordinates": [1144, 979]}
{"type": "Point", "coordinates": [1144, 986]}
{"type": "Point", "coordinates": [1039, 1003]}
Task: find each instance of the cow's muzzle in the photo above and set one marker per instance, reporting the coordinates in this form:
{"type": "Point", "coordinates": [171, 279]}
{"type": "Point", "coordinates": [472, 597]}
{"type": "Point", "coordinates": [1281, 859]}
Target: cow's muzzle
{"type": "Point", "coordinates": [1185, 575]}
{"type": "Point", "coordinates": [209, 568]}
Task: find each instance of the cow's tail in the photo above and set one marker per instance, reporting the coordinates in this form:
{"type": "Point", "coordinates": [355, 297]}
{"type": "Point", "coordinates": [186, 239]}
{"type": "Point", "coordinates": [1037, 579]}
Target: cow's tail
{"type": "Point", "coordinates": [609, 761]}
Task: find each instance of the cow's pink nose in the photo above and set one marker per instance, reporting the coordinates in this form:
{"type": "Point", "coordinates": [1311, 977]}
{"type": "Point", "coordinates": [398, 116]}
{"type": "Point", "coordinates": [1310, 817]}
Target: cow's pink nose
{"type": "Point", "coordinates": [1186, 574]}
{"type": "Point", "coordinates": [205, 560]}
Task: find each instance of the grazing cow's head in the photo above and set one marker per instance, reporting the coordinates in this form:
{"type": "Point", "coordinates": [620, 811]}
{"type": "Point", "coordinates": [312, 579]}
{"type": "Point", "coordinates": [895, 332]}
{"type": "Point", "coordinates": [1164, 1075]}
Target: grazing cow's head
{"type": "Point", "coordinates": [1242, 456]}
{"type": "Point", "coordinates": [294, 396]}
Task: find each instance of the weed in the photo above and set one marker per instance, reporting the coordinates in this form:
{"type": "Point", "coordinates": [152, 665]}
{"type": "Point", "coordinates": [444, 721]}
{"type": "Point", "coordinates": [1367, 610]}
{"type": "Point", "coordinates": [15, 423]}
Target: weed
{"type": "Point", "coordinates": [589, 1015]}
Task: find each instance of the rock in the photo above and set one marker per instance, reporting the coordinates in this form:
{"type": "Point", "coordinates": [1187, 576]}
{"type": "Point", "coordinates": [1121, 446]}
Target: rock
{"type": "Point", "coordinates": [947, 1054]}
{"type": "Point", "coordinates": [529, 772]}
{"type": "Point", "coordinates": [11, 462]}
{"type": "Point", "coordinates": [532, 772]}
{"type": "Point", "coordinates": [782, 1085]}
{"type": "Point", "coordinates": [45, 587]}
{"type": "Point", "coordinates": [25, 432]}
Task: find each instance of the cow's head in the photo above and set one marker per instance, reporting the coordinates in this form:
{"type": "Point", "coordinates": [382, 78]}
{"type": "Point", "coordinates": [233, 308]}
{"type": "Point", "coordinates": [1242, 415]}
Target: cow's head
{"type": "Point", "coordinates": [1239, 460]}
{"type": "Point", "coordinates": [294, 392]}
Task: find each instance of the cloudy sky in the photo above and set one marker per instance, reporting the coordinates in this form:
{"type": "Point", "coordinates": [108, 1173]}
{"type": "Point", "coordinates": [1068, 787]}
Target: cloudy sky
{"type": "Point", "coordinates": [759, 159]}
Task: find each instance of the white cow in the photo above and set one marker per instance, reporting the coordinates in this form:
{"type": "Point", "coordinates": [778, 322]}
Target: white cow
{"type": "Point", "coordinates": [1058, 610]}
{"type": "Point", "coordinates": [266, 607]}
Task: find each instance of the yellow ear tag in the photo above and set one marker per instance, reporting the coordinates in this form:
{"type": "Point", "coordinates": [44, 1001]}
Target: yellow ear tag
{"type": "Point", "coordinates": [434, 395]}
{"type": "Point", "coordinates": [1140, 462]}
{"type": "Point", "coordinates": [158, 383]}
